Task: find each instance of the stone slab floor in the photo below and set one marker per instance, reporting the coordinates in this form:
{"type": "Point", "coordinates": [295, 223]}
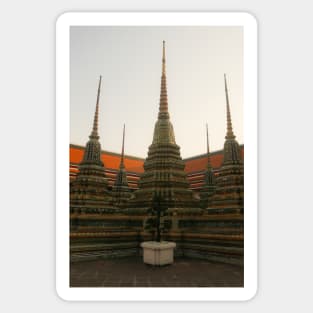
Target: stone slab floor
{"type": "Point", "coordinates": [132, 272]}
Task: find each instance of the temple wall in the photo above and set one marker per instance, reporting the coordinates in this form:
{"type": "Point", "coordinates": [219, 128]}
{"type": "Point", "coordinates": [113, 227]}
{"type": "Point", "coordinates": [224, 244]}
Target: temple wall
{"type": "Point", "coordinates": [217, 238]}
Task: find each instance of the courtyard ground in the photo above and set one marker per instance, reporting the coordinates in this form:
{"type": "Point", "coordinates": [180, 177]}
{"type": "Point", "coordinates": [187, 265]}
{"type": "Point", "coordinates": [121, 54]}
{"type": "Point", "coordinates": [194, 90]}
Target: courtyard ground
{"type": "Point", "coordinates": [132, 272]}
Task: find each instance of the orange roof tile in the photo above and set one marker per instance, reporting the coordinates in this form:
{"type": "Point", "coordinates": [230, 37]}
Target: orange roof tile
{"type": "Point", "coordinates": [200, 164]}
{"type": "Point", "coordinates": [76, 155]}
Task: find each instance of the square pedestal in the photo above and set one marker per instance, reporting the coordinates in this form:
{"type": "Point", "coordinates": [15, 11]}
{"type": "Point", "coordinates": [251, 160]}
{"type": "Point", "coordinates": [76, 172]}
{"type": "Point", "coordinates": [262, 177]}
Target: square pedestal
{"type": "Point", "coordinates": [158, 253]}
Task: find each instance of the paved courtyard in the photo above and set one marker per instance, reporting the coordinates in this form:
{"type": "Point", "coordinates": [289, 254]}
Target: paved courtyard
{"type": "Point", "coordinates": [132, 272]}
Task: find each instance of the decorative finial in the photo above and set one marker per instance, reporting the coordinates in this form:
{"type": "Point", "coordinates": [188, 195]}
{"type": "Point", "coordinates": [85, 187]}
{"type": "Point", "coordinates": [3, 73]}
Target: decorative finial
{"type": "Point", "coordinates": [94, 133]}
{"type": "Point", "coordinates": [230, 134]}
{"type": "Point", "coordinates": [122, 156]}
{"type": "Point", "coordinates": [163, 59]}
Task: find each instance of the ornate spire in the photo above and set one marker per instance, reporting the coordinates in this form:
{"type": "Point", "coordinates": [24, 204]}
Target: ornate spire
{"type": "Point", "coordinates": [93, 148]}
{"type": "Point", "coordinates": [90, 188]}
{"type": "Point", "coordinates": [208, 188]}
{"type": "Point", "coordinates": [121, 191]}
{"type": "Point", "coordinates": [208, 149]}
{"type": "Point", "coordinates": [163, 130]}
{"type": "Point", "coordinates": [164, 168]}
{"type": "Point", "coordinates": [122, 155]}
{"type": "Point", "coordinates": [163, 109]}
{"type": "Point", "coordinates": [231, 147]}
{"type": "Point", "coordinates": [230, 179]}
{"type": "Point", "coordinates": [230, 134]}
{"type": "Point", "coordinates": [94, 133]}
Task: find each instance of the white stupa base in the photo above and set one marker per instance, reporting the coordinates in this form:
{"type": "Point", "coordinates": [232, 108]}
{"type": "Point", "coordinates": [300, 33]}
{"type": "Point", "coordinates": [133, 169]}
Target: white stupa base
{"type": "Point", "coordinates": [158, 253]}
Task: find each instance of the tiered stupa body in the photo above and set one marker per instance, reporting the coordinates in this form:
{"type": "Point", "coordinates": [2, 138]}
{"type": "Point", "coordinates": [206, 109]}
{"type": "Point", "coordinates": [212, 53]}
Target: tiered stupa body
{"type": "Point", "coordinates": [230, 179]}
{"type": "Point", "coordinates": [163, 168]}
{"type": "Point", "coordinates": [208, 189]}
{"type": "Point", "coordinates": [89, 191]}
{"type": "Point", "coordinates": [121, 191]}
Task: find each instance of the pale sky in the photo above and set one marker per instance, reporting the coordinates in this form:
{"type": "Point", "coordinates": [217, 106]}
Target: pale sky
{"type": "Point", "coordinates": [130, 59]}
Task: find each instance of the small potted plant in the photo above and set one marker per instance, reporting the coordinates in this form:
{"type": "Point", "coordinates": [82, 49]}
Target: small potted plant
{"type": "Point", "coordinates": [157, 252]}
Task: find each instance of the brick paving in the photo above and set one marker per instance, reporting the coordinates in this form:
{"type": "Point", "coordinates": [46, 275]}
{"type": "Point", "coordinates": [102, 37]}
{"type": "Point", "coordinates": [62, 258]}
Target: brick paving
{"type": "Point", "coordinates": [132, 272]}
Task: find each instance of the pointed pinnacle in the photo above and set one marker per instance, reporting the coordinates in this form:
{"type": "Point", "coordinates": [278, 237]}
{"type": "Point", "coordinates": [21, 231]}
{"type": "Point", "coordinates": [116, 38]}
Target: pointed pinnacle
{"type": "Point", "coordinates": [208, 148]}
{"type": "Point", "coordinates": [163, 108]}
{"type": "Point", "coordinates": [230, 134]}
{"type": "Point", "coordinates": [207, 139]}
{"type": "Point", "coordinates": [122, 156]}
{"type": "Point", "coordinates": [94, 133]}
{"type": "Point", "coordinates": [163, 59]}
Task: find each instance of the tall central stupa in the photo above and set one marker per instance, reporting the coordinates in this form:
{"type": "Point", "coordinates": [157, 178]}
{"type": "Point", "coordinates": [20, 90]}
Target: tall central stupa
{"type": "Point", "coordinates": [163, 168]}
